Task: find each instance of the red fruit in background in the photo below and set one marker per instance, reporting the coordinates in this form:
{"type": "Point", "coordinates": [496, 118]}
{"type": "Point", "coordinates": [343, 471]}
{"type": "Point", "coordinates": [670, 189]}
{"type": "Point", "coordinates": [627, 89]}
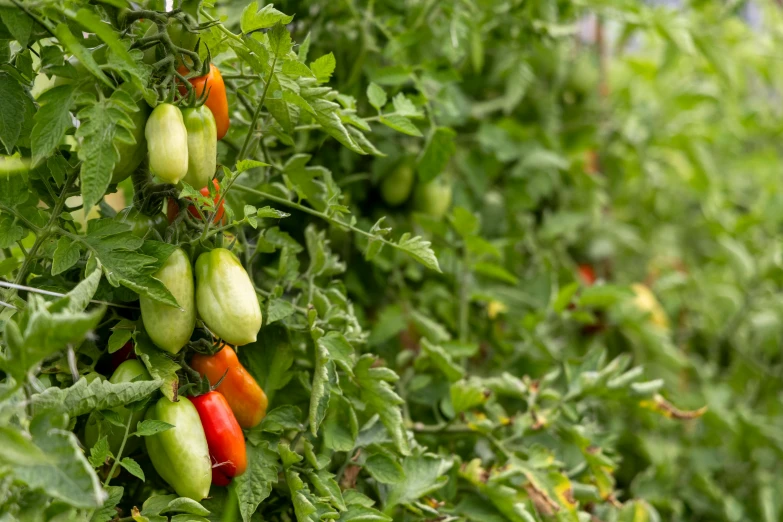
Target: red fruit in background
{"type": "Point", "coordinates": [587, 274]}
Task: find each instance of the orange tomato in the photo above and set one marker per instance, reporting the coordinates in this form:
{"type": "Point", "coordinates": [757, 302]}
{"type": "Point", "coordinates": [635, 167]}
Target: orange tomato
{"type": "Point", "coordinates": [246, 398]}
{"type": "Point", "coordinates": [216, 96]}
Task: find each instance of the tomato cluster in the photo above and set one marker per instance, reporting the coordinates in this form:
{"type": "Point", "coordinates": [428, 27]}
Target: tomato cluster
{"type": "Point", "coordinates": [206, 444]}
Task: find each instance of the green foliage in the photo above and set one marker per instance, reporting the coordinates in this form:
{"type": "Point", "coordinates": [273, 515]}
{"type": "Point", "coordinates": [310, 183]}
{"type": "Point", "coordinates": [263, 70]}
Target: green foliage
{"type": "Point", "coordinates": [449, 358]}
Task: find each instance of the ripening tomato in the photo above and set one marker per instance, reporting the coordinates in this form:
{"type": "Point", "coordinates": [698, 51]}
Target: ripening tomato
{"type": "Point", "coordinates": [217, 102]}
{"type": "Point", "coordinates": [205, 192]}
{"type": "Point", "coordinates": [224, 437]}
{"type": "Point", "coordinates": [246, 398]}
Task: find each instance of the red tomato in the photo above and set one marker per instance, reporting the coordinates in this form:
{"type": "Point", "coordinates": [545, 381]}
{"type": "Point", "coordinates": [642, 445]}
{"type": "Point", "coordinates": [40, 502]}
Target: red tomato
{"type": "Point", "coordinates": [216, 96]}
{"type": "Point", "coordinates": [172, 209]}
{"type": "Point", "coordinates": [205, 192]}
{"type": "Point", "coordinates": [587, 274]}
{"type": "Point", "coordinates": [123, 354]}
{"type": "Point", "coordinates": [224, 437]}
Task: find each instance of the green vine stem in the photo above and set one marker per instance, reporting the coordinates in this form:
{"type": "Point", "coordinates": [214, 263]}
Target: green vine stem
{"type": "Point", "coordinates": [325, 217]}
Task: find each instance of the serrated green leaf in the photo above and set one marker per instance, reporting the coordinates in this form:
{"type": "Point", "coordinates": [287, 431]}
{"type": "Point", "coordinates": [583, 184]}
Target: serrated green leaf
{"type": "Point", "coordinates": [149, 427]}
{"type": "Point", "coordinates": [12, 110]}
{"type": "Point", "coordinates": [384, 469]}
{"type": "Point", "coordinates": [254, 19]}
{"type": "Point", "coordinates": [323, 67]}
{"type": "Point", "coordinates": [419, 248]}
{"type": "Point", "coordinates": [100, 452]}
{"type": "Point", "coordinates": [440, 148]}
{"type": "Point", "coordinates": [400, 124]}
{"type": "Point", "coordinates": [376, 95]}
{"type": "Point", "coordinates": [51, 121]}
{"type": "Point", "coordinates": [381, 398]}
{"type": "Point", "coordinates": [132, 467]}
{"type": "Point", "coordinates": [83, 397]}
{"type": "Point", "coordinates": [66, 255]}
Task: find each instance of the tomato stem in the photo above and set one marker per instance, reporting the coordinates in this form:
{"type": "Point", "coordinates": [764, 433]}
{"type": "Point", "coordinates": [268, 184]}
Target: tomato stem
{"type": "Point", "coordinates": [119, 453]}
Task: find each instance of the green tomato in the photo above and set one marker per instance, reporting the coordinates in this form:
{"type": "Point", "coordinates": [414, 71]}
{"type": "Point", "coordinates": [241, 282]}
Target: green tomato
{"type": "Point", "coordinates": [493, 214]}
{"type": "Point", "coordinates": [170, 327]}
{"type": "Point", "coordinates": [396, 187]}
{"type": "Point", "coordinates": [131, 155]}
{"type": "Point", "coordinates": [180, 455]}
{"type": "Point", "coordinates": [226, 298]}
{"type": "Point", "coordinates": [433, 198]}
{"type": "Point", "coordinates": [167, 143]}
{"type": "Point", "coordinates": [583, 76]}
{"type": "Point", "coordinates": [151, 53]}
{"type": "Point", "coordinates": [125, 372]}
{"type": "Point", "coordinates": [202, 146]}
{"type": "Point", "coordinates": [177, 32]}
{"type": "Point", "coordinates": [141, 224]}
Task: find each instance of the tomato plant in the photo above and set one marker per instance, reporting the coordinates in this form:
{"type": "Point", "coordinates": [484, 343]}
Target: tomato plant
{"type": "Point", "coordinates": [385, 226]}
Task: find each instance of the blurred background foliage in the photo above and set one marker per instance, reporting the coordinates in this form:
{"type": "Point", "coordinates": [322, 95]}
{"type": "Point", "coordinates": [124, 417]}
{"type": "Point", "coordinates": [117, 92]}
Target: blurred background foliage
{"type": "Point", "coordinates": [631, 142]}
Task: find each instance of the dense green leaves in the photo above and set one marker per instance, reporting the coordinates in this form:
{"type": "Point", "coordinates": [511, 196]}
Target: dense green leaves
{"type": "Point", "coordinates": [479, 351]}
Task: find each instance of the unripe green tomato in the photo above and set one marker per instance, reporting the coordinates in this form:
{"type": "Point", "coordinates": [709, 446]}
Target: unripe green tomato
{"type": "Point", "coordinates": [583, 75]}
{"type": "Point", "coordinates": [125, 372]}
{"type": "Point", "coordinates": [151, 53]}
{"type": "Point", "coordinates": [167, 143]}
{"type": "Point", "coordinates": [396, 186]}
{"type": "Point", "coordinates": [170, 327]}
{"type": "Point", "coordinates": [141, 223]}
{"type": "Point", "coordinates": [493, 214]}
{"type": "Point", "coordinates": [180, 455]}
{"type": "Point", "coordinates": [181, 36]}
{"type": "Point", "coordinates": [226, 298]}
{"type": "Point", "coordinates": [433, 198]}
{"type": "Point", "coordinates": [202, 146]}
{"type": "Point", "coordinates": [131, 155]}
